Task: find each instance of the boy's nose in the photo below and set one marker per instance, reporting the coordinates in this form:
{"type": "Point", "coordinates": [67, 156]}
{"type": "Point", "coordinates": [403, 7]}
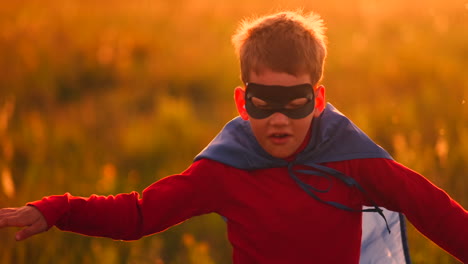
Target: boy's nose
{"type": "Point", "coordinates": [278, 119]}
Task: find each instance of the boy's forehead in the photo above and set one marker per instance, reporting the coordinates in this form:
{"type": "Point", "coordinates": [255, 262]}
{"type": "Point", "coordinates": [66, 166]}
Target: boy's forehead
{"type": "Point", "coordinates": [265, 76]}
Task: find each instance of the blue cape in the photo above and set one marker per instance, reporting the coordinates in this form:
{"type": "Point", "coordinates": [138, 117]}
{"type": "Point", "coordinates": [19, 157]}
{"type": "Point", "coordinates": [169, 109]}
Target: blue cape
{"type": "Point", "coordinates": [333, 138]}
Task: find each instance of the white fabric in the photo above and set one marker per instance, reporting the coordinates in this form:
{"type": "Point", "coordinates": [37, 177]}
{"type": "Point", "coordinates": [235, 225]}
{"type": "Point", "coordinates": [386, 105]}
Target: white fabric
{"type": "Point", "coordinates": [377, 245]}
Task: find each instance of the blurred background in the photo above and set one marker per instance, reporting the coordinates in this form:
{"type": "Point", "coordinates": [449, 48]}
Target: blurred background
{"type": "Point", "coordinates": [108, 96]}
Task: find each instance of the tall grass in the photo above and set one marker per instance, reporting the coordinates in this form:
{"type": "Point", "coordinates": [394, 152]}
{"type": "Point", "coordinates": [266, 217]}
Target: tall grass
{"type": "Point", "coordinates": [108, 96]}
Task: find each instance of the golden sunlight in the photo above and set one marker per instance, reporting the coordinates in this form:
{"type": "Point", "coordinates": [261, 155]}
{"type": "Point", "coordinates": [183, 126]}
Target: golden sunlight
{"type": "Point", "coordinates": [107, 181]}
{"type": "Point", "coordinates": [442, 148]}
{"type": "Point", "coordinates": [7, 183]}
{"type": "Point", "coordinates": [6, 111]}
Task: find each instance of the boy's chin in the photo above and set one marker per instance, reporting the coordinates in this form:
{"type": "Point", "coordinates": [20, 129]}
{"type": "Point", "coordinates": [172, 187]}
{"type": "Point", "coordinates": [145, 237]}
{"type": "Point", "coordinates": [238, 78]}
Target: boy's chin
{"type": "Point", "coordinates": [280, 154]}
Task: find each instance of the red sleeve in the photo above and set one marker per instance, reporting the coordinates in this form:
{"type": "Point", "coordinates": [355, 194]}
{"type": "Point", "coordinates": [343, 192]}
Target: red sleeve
{"type": "Point", "coordinates": [165, 203]}
{"type": "Point", "coordinates": [430, 209]}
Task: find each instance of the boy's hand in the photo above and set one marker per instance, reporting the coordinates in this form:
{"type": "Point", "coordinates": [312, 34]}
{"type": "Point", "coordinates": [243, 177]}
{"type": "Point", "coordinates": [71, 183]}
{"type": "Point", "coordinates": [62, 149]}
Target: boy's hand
{"type": "Point", "coordinates": [26, 216]}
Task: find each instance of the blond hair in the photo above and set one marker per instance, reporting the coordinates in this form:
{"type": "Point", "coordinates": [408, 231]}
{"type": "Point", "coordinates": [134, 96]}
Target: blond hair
{"type": "Point", "coordinates": [289, 42]}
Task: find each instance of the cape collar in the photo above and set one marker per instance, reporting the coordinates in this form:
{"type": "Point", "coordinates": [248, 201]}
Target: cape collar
{"type": "Point", "coordinates": [333, 138]}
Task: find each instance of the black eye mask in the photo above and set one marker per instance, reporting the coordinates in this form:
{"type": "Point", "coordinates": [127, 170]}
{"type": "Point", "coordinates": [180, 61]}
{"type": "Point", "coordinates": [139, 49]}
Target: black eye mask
{"type": "Point", "coordinates": [276, 98]}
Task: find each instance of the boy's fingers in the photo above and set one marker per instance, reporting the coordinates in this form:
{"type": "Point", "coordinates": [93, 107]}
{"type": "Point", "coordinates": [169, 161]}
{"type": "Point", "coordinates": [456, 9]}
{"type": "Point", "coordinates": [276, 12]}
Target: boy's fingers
{"type": "Point", "coordinates": [26, 216]}
{"type": "Point", "coordinates": [34, 229]}
{"type": "Point", "coordinates": [7, 220]}
{"type": "Point", "coordinates": [8, 217]}
{"type": "Point", "coordinates": [7, 210]}
{"type": "Point", "coordinates": [34, 220]}
{"type": "Point", "coordinates": [5, 213]}
{"type": "Point", "coordinates": [13, 219]}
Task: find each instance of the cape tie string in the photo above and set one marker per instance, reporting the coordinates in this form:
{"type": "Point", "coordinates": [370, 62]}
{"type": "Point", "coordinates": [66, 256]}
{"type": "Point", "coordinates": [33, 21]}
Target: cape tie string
{"type": "Point", "coordinates": [323, 171]}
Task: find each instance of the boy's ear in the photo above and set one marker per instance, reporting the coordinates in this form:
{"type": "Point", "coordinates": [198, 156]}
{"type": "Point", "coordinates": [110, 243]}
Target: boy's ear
{"type": "Point", "coordinates": [320, 101]}
{"type": "Point", "coordinates": [239, 98]}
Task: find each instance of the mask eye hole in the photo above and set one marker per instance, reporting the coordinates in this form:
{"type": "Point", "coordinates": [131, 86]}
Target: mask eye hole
{"type": "Point", "coordinates": [297, 103]}
{"type": "Point", "coordinates": [259, 103]}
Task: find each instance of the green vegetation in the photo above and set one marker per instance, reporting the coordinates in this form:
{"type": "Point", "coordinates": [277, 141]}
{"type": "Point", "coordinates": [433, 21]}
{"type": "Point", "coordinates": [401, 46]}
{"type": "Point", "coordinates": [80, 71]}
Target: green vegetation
{"type": "Point", "coordinates": [107, 97]}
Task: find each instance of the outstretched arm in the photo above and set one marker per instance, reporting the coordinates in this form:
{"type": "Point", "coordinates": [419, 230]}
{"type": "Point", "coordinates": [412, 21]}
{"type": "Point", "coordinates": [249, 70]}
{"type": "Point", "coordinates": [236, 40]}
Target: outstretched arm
{"type": "Point", "coordinates": [165, 203]}
{"type": "Point", "coordinates": [27, 216]}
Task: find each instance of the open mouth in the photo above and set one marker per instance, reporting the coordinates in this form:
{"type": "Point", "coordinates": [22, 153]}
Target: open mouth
{"type": "Point", "coordinates": [279, 138]}
{"type": "Point", "coordinates": [279, 135]}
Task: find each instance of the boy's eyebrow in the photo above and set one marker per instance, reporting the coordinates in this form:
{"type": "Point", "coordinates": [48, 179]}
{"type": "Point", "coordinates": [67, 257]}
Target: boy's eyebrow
{"type": "Point", "coordinates": [277, 87]}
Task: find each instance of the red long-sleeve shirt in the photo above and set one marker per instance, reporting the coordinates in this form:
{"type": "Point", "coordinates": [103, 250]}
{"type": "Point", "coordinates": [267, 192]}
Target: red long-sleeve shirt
{"type": "Point", "coordinates": [269, 218]}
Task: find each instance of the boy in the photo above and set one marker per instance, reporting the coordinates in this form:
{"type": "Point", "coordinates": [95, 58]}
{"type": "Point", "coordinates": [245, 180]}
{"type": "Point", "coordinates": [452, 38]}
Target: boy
{"type": "Point", "coordinates": [290, 175]}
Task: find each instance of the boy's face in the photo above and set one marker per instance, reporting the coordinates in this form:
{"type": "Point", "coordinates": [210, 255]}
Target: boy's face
{"type": "Point", "coordinates": [278, 134]}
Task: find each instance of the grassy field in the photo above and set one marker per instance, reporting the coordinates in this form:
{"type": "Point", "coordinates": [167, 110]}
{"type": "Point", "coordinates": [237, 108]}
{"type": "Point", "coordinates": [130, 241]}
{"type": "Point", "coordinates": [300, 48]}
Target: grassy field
{"type": "Point", "coordinates": [108, 96]}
